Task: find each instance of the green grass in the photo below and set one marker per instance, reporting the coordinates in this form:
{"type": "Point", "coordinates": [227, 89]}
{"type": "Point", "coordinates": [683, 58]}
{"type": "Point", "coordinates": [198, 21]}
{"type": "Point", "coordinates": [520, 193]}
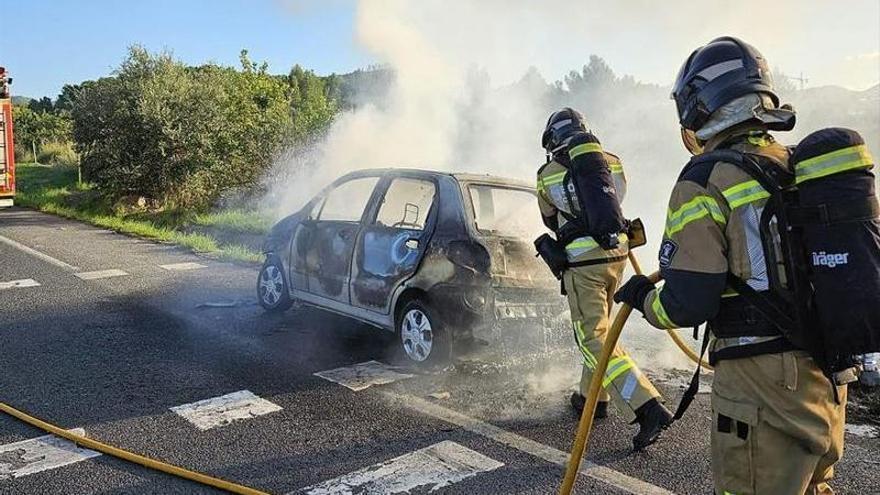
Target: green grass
{"type": "Point", "coordinates": [235, 221]}
{"type": "Point", "coordinates": [54, 189]}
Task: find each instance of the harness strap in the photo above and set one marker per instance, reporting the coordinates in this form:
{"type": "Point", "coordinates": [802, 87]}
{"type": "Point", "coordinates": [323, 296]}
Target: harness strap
{"type": "Point", "coordinates": [770, 309]}
{"type": "Point", "coordinates": [694, 387]}
{"type": "Point", "coordinates": [856, 210]}
{"type": "Point", "coordinates": [742, 351]}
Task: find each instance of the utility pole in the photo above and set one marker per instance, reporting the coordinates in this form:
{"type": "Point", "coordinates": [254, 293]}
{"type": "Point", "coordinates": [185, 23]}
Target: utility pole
{"type": "Point", "coordinates": [803, 80]}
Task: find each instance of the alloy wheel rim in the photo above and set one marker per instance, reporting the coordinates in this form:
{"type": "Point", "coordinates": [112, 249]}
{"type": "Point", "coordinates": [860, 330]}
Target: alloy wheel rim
{"type": "Point", "coordinates": [417, 335]}
{"type": "Point", "coordinates": [271, 285]}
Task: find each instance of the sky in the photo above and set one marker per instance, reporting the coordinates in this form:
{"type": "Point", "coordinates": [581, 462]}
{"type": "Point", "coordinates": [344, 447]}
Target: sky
{"type": "Point", "coordinates": [47, 44]}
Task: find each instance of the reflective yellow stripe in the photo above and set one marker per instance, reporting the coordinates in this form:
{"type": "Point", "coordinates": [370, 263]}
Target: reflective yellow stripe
{"type": "Point", "coordinates": [761, 139]}
{"type": "Point", "coordinates": [693, 210]}
{"type": "Point", "coordinates": [589, 358]}
{"type": "Point", "coordinates": [744, 193]}
{"type": "Point", "coordinates": [616, 168]}
{"type": "Point", "coordinates": [851, 158]}
{"type": "Point", "coordinates": [617, 367]}
{"type": "Point", "coordinates": [660, 312]}
{"type": "Point", "coordinates": [584, 148]}
{"type": "Point", "coordinates": [588, 243]}
{"type": "Point", "coordinates": [584, 243]}
{"type": "Point", "coordinates": [553, 179]}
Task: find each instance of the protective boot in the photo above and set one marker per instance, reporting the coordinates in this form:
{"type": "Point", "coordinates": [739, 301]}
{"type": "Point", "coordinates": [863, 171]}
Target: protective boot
{"type": "Point", "coordinates": [652, 418]}
{"type": "Point", "coordinates": [578, 402]}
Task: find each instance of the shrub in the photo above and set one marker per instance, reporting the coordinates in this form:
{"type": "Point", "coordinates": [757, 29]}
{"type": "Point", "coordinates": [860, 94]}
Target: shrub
{"type": "Point", "coordinates": [57, 153]}
{"type": "Point", "coordinates": [182, 135]}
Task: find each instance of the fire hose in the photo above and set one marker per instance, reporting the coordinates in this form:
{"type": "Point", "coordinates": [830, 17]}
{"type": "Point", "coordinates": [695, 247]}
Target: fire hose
{"type": "Point", "coordinates": [585, 425]}
{"type": "Point", "coordinates": [95, 445]}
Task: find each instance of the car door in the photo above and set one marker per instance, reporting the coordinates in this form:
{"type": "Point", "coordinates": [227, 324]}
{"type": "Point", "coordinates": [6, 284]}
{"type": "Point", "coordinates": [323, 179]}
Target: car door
{"type": "Point", "coordinates": [392, 241]}
{"type": "Point", "coordinates": [328, 239]}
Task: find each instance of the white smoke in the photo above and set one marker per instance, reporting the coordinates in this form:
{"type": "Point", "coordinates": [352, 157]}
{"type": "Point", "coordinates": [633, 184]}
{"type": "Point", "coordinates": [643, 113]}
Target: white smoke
{"type": "Point", "coordinates": [468, 93]}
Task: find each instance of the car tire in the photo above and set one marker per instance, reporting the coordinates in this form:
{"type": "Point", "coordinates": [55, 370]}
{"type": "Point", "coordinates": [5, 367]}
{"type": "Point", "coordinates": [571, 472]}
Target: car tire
{"type": "Point", "coordinates": [421, 337]}
{"type": "Point", "coordinates": [273, 292]}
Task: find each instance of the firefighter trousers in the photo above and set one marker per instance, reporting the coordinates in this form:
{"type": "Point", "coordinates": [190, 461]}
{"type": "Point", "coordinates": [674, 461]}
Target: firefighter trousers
{"type": "Point", "coordinates": [776, 427]}
{"type": "Point", "coordinates": [590, 296]}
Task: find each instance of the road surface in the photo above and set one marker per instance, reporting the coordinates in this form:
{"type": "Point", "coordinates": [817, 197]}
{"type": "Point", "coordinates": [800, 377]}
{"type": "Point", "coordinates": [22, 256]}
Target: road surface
{"type": "Point", "coordinates": [165, 353]}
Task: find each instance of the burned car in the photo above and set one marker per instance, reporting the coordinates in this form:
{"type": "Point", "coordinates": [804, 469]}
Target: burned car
{"type": "Point", "coordinates": [436, 258]}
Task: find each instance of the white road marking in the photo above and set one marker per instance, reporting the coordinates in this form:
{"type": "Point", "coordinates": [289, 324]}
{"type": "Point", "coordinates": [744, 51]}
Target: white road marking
{"type": "Point", "coordinates": [531, 447]}
{"type": "Point", "coordinates": [101, 274]}
{"type": "Point", "coordinates": [428, 469]}
{"type": "Point", "coordinates": [17, 284]}
{"type": "Point", "coordinates": [867, 431]}
{"type": "Point", "coordinates": [40, 454]}
{"type": "Point", "coordinates": [363, 376]}
{"type": "Point", "coordinates": [223, 410]}
{"type": "Point", "coordinates": [33, 252]}
{"type": "Point", "coordinates": [176, 267]}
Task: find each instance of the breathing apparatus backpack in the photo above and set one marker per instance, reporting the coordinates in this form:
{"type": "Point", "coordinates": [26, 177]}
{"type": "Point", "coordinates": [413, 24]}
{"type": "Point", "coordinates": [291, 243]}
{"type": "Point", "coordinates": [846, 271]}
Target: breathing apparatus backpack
{"type": "Point", "coordinates": [820, 233]}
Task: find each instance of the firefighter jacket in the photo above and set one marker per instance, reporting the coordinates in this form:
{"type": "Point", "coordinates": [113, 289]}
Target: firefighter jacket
{"type": "Point", "coordinates": [558, 206]}
{"type": "Point", "coordinates": [712, 228]}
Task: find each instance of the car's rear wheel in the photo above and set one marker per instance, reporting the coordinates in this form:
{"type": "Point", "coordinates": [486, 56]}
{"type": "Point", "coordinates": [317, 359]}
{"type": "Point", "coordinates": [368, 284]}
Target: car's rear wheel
{"type": "Point", "coordinates": [422, 339]}
{"type": "Point", "coordinates": [272, 290]}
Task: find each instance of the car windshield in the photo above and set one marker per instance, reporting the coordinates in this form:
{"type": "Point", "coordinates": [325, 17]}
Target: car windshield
{"type": "Point", "coordinates": [505, 211]}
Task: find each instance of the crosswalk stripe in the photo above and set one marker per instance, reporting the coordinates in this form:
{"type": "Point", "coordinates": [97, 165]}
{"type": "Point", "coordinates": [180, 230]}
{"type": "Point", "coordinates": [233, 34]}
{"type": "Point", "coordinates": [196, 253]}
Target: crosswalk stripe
{"type": "Point", "coordinates": [18, 284]}
{"type": "Point", "coordinates": [527, 445]}
{"type": "Point", "coordinates": [177, 267]}
{"type": "Point", "coordinates": [101, 274]}
{"type": "Point", "coordinates": [428, 469]}
{"type": "Point", "coordinates": [223, 410]}
{"type": "Point", "coordinates": [363, 375]}
{"type": "Point", "coordinates": [40, 454]}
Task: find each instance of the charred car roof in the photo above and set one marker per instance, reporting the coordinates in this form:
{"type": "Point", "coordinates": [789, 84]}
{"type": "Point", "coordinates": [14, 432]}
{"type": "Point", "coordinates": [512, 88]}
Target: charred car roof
{"type": "Point", "coordinates": [461, 177]}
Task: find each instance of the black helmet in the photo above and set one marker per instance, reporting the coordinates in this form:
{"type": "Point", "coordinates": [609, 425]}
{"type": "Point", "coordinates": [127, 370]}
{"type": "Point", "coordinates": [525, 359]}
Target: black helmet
{"type": "Point", "coordinates": [562, 125]}
{"type": "Point", "coordinates": [718, 73]}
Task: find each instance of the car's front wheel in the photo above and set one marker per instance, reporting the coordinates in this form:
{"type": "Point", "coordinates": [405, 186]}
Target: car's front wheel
{"type": "Point", "coordinates": [272, 290]}
{"type": "Point", "coordinates": [421, 335]}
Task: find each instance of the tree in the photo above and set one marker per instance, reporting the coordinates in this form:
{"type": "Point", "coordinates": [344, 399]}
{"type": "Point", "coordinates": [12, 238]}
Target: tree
{"type": "Point", "coordinates": [182, 135]}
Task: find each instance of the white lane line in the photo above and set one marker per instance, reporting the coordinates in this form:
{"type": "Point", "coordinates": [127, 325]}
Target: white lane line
{"type": "Point", "coordinates": [40, 454]}
{"type": "Point", "coordinates": [223, 410]}
{"type": "Point", "coordinates": [18, 284]}
{"type": "Point", "coordinates": [428, 469]}
{"type": "Point", "coordinates": [176, 267]}
{"type": "Point", "coordinates": [363, 376]}
{"type": "Point", "coordinates": [531, 447]}
{"type": "Point", "coordinates": [33, 252]}
{"type": "Point", "coordinates": [101, 274]}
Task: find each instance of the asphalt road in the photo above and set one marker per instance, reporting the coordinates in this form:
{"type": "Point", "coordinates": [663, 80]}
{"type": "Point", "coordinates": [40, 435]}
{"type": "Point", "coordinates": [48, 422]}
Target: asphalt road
{"type": "Point", "coordinates": [113, 355]}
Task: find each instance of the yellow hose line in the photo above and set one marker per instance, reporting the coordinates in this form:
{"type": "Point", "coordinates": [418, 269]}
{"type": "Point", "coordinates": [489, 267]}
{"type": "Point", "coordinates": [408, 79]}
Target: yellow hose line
{"type": "Point", "coordinates": [131, 457]}
{"type": "Point", "coordinates": [586, 422]}
{"type": "Point", "coordinates": [672, 333]}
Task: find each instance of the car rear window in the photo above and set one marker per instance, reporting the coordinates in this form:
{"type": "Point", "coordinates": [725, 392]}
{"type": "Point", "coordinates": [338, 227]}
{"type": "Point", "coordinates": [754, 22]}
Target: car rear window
{"type": "Point", "coordinates": [505, 211]}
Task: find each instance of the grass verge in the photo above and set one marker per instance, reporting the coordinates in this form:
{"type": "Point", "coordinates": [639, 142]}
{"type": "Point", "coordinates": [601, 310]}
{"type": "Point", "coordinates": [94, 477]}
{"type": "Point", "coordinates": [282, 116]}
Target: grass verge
{"type": "Point", "coordinates": [54, 189]}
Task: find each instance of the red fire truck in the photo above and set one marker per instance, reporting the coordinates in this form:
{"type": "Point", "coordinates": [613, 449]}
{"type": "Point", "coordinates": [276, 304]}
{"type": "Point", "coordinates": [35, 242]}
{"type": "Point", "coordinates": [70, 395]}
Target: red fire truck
{"type": "Point", "coordinates": [7, 153]}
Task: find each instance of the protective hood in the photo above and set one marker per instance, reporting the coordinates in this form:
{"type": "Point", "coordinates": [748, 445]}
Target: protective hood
{"type": "Point", "coordinates": [753, 106]}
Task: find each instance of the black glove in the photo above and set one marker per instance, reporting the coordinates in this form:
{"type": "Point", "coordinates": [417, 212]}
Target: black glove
{"type": "Point", "coordinates": [634, 291]}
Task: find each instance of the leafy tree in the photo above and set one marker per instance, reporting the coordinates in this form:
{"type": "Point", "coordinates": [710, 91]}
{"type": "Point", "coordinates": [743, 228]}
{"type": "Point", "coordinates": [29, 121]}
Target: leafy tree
{"type": "Point", "coordinates": [179, 134]}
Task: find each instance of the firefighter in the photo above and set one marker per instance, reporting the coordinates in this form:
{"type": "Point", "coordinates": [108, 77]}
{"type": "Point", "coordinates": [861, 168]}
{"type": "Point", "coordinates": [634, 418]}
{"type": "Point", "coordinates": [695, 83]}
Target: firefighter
{"type": "Point", "coordinates": [591, 265]}
{"type": "Point", "coordinates": [777, 420]}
